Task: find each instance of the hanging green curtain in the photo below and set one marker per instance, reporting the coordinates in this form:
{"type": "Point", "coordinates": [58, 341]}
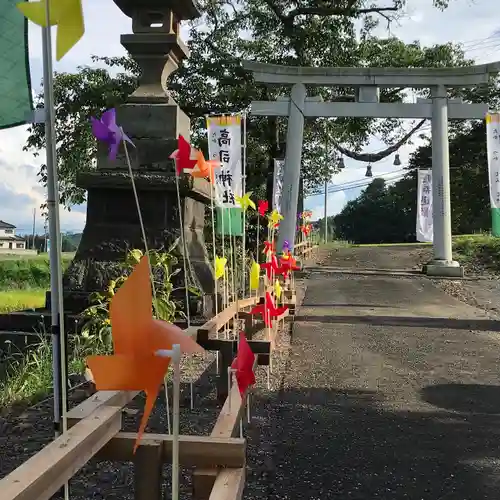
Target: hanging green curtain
{"type": "Point", "coordinates": [16, 100]}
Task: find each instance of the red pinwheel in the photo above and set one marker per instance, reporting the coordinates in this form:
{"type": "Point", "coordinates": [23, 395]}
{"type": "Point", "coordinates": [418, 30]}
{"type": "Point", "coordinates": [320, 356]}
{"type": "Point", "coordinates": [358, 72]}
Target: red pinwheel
{"type": "Point", "coordinates": [268, 310]}
{"type": "Point", "coordinates": [268, 266]}
{"type": "Point", "coordinates": [263, 206]}
{"type": "Point", "coordinates": [269, 247]}
{"type": "Point", "coordinates": [182, 156]}
{"type": "Point", "coordinates": [306, 229]}
{"type": "Point", "coordinates": [271, 266]}
{"type": "Point", "coordinates": [288, 264]}
{"type": "Point", "coordinates": [243, 364]}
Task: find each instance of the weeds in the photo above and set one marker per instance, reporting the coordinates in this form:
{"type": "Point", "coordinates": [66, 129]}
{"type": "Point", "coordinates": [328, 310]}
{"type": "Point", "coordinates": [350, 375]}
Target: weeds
{"type": "Point", "coordinates": [28, 374]}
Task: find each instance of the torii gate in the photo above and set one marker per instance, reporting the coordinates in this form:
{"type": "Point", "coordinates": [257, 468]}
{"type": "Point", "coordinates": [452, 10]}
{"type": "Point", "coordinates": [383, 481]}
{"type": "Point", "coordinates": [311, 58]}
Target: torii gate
{"type": "Point", "coordinates": [368, 80]}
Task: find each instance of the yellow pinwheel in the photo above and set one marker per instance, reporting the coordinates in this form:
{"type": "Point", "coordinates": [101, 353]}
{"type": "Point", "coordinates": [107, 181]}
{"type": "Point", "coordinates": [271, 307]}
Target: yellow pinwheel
{"type": "Point", "coordinates": [254, 275]}
{"type": "Point", "coordinates": [277, 289]}
{"type": "Point", "coordinates": [220, 267]}
{"type": "Point", "coordinates": [67, 15]}
{"type": "Point", "coordinates": [245, 201]}
{"type": "Point", "coordinates": [274, 218]}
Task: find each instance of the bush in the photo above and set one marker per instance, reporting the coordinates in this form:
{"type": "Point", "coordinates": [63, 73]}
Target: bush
{"type": "Point", "coordinates": [478, 251]}
{"type": "Point", "coordinates": [26, 273]}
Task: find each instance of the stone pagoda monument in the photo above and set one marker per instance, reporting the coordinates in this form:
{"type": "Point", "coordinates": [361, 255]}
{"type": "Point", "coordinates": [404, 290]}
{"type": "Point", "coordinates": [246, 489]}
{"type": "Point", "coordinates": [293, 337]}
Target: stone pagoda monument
{"type": "Point", "coordinates": [153, 120]}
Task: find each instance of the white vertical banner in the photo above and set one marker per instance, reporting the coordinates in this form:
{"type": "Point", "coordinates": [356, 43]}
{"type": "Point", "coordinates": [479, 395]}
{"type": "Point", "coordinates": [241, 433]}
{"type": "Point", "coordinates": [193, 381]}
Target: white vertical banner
{"type": "Point", "coordinates": [424, 230]}
{"type": "Point", "coordinates": [493, 151]}
{"type": "Point", "coordinates": [224, 145]}
{"type": "Point", "coordinates": [279, 169]}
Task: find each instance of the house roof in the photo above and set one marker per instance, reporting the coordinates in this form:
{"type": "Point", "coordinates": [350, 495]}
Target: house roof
{"type": "Point", "coordinates": [11, 238]}
{"type": "Point", "coordinates": [6, 225]}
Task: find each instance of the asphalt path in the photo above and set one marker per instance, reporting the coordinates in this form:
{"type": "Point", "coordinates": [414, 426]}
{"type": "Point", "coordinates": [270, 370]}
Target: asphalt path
{"type": "Point", "coordinates": [391, 390]}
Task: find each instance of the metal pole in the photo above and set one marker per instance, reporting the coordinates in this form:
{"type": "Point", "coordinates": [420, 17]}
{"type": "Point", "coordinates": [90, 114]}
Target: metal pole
{"type": "Point", "coordinates": [293, 159]}
{"type": "Point", "coordinates": [441, 179]}
{"type": "Point", "coordinates": [326, 211]}
{"type": "Point", "coordinates": [57, 313]}
{"type": "Point", "coordinates": [34, 225]}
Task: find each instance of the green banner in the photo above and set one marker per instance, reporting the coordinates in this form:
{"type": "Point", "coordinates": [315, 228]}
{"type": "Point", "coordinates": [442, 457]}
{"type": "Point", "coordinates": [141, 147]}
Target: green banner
{"type": "Point", "coordinates": [15, 82]}
{"type": "Point", "coordinates": [229, 221]}
{"type": "Point", "coordinates": [495, 222]}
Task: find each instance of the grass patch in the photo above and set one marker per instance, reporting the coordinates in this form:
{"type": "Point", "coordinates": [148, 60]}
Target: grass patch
{"type": "Point", "coordinates": [18, 299]}
{"type": "Point", "coordinates": [23, 273]}
{"type": "Point", "coordinates": [480, 252]}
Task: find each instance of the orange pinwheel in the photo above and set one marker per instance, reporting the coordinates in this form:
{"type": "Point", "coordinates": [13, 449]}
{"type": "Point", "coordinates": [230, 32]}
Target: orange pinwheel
{"type": "Point", "coordinates": [205, 167]}
{"type": "Point", "coordinates": [137, 336]}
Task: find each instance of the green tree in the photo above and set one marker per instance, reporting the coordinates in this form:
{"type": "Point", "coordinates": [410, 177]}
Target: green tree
{"type": "Point", "coordinates": [273, 31]}
{"type": "Point", "coordinates": [389, 215]}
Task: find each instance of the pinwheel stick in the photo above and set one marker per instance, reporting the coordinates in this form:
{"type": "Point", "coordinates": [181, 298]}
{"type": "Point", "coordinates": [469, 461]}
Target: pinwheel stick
{"type": "Point", "coordinates": [146, 250]}
{"type": "Point", "coordinates": [230, 373]}
{"type": "Point", "coordinates": [175, 354]}
{"type": "Point", "coordinates": [57, 306]}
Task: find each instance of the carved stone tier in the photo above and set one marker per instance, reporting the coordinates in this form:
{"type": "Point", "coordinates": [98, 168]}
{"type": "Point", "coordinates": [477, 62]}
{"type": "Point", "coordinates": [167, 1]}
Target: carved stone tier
{"type": "Point", "coordinates": [112, 229]}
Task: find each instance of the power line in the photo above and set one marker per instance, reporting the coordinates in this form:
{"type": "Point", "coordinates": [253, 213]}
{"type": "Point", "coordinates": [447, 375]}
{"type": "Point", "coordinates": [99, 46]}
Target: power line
{"type": "Point", "coordinates": [356, 184]}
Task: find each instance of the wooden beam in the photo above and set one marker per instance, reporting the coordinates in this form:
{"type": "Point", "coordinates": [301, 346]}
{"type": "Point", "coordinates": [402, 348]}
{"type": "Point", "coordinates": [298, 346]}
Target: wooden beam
{"type": "Point", "coordinates": [98, 400]}
{"type": "Point", "coordinates": [194, 451]}
{"type": "Point", "coordinates": [229, 485]}
{"type": "Point", "coordinates": [148, 468]}
{"type": "Point", "coordinates": [217, 322]}
{"type": "Point", "coordinates": [257, 346]}
{"type": "Point", "coordinates": [46, 472]}
{"type": "Point", "coordinates": [225, 426]}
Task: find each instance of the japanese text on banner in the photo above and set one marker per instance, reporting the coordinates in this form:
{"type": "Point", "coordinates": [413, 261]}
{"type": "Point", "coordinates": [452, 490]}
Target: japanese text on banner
{"type": "Point", "coordinates": [424, 230]}
{"type": "Point", "coordinates": [279, 169]}
{"type": "Point", "coordinates": [493, 149]}
{"type": "Point", "coordinates": [224, 145]}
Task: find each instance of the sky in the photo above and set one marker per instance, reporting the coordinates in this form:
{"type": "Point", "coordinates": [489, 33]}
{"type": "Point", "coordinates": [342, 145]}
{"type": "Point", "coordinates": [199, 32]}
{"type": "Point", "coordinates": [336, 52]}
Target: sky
{"type": "Point", "coordinates": [474, 23]}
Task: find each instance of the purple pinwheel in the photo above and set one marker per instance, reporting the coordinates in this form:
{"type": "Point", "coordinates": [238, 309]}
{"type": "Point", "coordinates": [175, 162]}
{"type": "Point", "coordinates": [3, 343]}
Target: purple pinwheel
{"type": "Point", "coordinates": [286, 246]}
{"type": "Point", "coordinates": [108, 131]}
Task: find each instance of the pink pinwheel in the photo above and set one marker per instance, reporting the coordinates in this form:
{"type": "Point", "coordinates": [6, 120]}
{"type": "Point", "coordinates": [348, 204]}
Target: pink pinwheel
{"type": "Point", "coordinates": [108, 131]}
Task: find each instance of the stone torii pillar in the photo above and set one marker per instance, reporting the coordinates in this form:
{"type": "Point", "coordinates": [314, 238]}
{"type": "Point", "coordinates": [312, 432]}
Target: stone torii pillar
{"type": "Point", "coordinates": [367, 81]}
{"type": "Point", "coordinates": [293, 160]}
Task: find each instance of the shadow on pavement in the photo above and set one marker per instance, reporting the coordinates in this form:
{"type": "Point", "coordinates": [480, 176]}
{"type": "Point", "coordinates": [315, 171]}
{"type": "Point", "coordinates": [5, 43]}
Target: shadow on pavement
{"type": "Point", "coordinates": [334, 444]}
{"type": "Point", "coordinates": [468, 398]}
{"type": "Point", "coordinates": [408, 321]}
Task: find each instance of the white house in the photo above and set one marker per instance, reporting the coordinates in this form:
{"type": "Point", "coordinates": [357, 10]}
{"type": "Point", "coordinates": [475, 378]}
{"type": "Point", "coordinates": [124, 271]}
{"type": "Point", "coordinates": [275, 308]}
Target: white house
{"type": "Point", "coordinates": [8, 238]}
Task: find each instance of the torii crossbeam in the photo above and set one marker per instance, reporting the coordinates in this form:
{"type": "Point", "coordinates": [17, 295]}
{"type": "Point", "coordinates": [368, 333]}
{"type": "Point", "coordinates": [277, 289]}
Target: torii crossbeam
{"type": "Point", "coordinates": [439, 109]}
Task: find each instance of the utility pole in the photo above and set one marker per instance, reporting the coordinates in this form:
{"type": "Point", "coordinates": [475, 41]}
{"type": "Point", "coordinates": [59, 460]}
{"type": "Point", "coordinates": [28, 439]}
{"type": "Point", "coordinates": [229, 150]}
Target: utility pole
{"type": "Point", "coordinates": [326, 211]}
{"type": "Point", "coordinates": [34, 228]}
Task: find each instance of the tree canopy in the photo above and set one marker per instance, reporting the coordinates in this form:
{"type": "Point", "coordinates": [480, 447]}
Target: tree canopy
{"type": "Point", "coordinates": [312, 33]}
